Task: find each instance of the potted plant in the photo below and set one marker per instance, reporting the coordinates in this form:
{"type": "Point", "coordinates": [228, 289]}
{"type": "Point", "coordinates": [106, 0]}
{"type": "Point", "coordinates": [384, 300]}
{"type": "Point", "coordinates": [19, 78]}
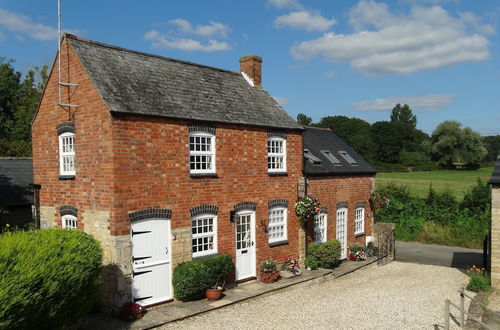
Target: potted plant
{"type": "Point", "coordinates": [371, 250]}
{"type": "Point", "coordinates": [289, 267]}
{"type": "Point", "coordinates": [311, 262]}
{"type": "Point", "coordinates": [268, 271]}
{"type": "Point", "coordinates": [215, 291]}
{"type": "Point", "coordinates": [357, 252]}
{"type": "Point", "coordinates": [307, 207]}
{"type": "Point", "coordinates": [132, 311]}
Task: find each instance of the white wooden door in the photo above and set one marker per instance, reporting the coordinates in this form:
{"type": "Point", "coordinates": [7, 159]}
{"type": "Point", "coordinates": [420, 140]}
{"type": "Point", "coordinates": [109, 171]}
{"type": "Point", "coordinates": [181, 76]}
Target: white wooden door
{"type": "Point", "coordinates": [151, 282]}
{"type": "Point", "coordinates": [245, 245]}
{"type": "Point", "coordinates": [342, 231]}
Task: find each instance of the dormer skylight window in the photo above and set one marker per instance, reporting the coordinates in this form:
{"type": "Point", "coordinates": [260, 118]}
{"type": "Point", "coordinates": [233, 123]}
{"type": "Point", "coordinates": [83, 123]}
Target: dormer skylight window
{"type": "Point", "coordinates": [348, 158]}
{"type": "Point", "coordinates": [331, 157]}
{"type": "Point", "coordinates": [313, 159]}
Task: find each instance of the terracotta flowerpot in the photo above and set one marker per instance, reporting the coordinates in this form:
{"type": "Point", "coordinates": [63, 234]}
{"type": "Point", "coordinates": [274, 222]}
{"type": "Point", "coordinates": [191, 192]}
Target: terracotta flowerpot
{"type": "Point", "coordinates": [213, 294]}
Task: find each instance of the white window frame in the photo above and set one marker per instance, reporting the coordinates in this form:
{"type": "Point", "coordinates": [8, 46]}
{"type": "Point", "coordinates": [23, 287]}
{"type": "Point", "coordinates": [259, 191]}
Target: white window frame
{"type": "Point", "coordinates": [359, 221]}
{"type": "Point", "coordinates": [212, 234]}
{"type": "Point", "coordinates": [69, 218]}
{"type": "Point", "coordinates": [66, 154]}
{"type": "Point", "coordinates": [211, 153]}
{"type": "Point", "coordinates": [325, 228]}
{"type": "Point", "coordinates": [283, 223]}
{"type": "Point", "coordinates": [276, 155]}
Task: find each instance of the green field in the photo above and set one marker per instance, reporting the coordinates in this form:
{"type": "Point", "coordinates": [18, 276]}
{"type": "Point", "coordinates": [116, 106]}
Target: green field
{"type": "Point", "coordinates": [418, 182]}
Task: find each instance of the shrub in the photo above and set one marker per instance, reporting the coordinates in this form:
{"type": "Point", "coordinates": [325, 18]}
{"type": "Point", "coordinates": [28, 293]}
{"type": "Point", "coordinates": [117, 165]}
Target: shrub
{"type": "Point", "coordinates": [311, 262]}
{"type": "Point", "coordinates": [478, 198]}
{"type": "Point", "coordinates": [191, 278]}
{"type": "Point", "coordinates": [48, 278]}
{"type": "Point", "coordinates": [327, 254]}
{"type": "Point", "coordinates": [478, 283]}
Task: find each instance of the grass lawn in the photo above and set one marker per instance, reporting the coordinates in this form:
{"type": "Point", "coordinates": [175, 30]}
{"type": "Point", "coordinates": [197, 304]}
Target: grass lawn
{"type": "Point", "coordinates": [418, 182]}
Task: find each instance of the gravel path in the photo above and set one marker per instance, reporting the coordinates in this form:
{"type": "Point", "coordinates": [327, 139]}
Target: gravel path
{"type": "Point", "coordinates": [395, 296]}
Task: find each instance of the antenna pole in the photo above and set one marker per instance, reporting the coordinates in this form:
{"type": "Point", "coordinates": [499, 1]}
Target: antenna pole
{"type": "Point", "coordinates": [59, 50]}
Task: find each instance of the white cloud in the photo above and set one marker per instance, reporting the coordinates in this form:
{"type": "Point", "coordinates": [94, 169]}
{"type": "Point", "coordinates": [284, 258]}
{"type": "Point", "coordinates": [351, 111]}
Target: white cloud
{"type": "Point", "coordinates": [281, 100]}
{"type": "Point", "coordinates": [329, 74]}
{"type": "Point", "coordinates": [2, 36]}
{"type": "Point", "coordinates": [162, 41]}
{"type": "Point", "coordinates": [284, 4]}
{"type": "Point", "coordinates": [475, 22]}
{"type": "Point", "coordinates": [304, 20]}
{"type": "Point", "coordinates": [19, 23]}
{"type": "Point", "coordinates": [426, 38]}
{"type": "Point", "coordinates": [422, 102]}
{"type": "Point", "coordinates": [213, 28]}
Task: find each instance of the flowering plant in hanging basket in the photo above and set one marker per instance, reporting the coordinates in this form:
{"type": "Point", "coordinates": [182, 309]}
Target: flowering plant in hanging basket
{"type": "Point", "coordinates": [132, 311]}
{"type": "Point", "coordinates": [307, 207]}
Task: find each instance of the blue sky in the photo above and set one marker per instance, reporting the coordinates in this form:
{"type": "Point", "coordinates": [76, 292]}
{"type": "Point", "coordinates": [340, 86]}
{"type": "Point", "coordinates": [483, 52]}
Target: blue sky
{"type": "Point", "coordinates": [352, 58]}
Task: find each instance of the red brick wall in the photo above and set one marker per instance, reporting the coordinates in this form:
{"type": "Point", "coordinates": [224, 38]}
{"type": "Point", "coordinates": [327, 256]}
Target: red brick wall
{"type": "Point", "coordinates": [151, 157]}
{"type": "Point", "coordinates": [331, 190]}
{"type": "Point", "coordinates": [130, 163]}
{"type": "Point", "coordinates": [92, 187]}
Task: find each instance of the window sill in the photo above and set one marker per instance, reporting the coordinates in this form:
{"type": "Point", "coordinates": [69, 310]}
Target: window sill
{"type": "Point", "coordinates": [66, 177]}
{"type": "Point", "coordinates": [359, 234]}
{"type": "Point", "coordinates": [277, 173]}
{"type": "Point", "coordinates": [280, 243]}
{"type": "Point", "coordinates": [203, 175]}
{"type": "Point", "coordinates": [205, 256]}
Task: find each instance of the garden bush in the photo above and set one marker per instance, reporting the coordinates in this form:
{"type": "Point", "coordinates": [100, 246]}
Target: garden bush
{"type": "Point", "coordinates": [327, 254]}
{"type": "Point", "coordinates": [191, 278]}
{"type": "Point", "coordinates": [311, 262]}
{"type": "Point", "coordinates": [48, 278]}
{"type": "Point", "coordinates": [478, 283]}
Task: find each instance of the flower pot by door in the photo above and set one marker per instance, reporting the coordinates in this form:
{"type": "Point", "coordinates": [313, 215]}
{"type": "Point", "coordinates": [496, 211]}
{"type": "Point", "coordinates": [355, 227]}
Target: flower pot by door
{"type": "Point", "coordinates": [213, 294]}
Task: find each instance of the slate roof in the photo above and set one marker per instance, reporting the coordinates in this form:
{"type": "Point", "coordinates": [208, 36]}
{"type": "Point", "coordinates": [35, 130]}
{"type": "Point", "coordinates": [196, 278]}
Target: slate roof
{"type": "Point", "coordinates": [16, 178]}
{"type": "Point", "coordinates": [317, 140]}
{"type": "Point", "coordinates": [132, 82]}
{"type": "Point", "coordinates": [495, 176]}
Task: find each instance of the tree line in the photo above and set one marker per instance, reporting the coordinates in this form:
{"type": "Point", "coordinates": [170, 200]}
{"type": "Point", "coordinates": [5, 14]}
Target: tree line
{"type": "Point", "coordinates": [19, 98]}
{"type": "Point", "coordinates": [399, 141]}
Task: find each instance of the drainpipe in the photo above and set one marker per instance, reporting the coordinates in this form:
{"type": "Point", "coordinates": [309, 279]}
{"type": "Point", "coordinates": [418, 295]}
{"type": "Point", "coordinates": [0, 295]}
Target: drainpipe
{"type": "Point", "coordinates": [36, 202]}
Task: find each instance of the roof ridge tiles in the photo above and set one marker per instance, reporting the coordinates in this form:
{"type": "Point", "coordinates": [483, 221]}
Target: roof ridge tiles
{"type": "Point", "coordinates": [102, 44]}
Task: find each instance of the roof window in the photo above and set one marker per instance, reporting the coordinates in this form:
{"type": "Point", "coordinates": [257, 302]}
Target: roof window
{"type": "Point", "coordinates": [348, 158]}
{"type": "Point", "coordinates": [313, 159]}
{"type": "Point", "coordinates": [331, 157]}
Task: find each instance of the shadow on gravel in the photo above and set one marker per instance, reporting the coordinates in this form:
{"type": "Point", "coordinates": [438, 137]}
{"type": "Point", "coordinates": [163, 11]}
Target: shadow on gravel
{"type": "Point", "coordinates": [464, 260]}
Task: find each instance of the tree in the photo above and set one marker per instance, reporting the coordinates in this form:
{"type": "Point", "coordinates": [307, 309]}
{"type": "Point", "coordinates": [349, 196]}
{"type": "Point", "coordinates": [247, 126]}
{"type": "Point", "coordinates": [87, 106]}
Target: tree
{"type": "Point", "coordinates": [451, 145]}
{"type": "Point", "coordinates": [18, 103]}
{"type": "Point", "coordinates": [492, 145]}
{"type": "Point", "coordinates": [403, 114]}
{"type": "Point", "coordinates": [304, 120]}
{"type": "Point", "coordinates": [354, 131]}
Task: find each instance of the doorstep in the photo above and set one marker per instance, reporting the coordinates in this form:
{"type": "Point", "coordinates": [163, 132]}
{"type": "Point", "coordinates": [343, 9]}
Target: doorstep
{"type": "Point", "coordinates": [161, 315]}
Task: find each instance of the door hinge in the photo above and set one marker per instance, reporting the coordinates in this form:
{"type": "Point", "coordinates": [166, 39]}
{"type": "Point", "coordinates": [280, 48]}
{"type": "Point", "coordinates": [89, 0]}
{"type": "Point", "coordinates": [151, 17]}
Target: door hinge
{"type": "Point", "coordinates": [142, 298]}
{"type": "Point", "coordinates": [140, 258]}
{"type": "Point", "coordinates": [134, 274]}
{"type": "Point", "coordinates": [140, 232]}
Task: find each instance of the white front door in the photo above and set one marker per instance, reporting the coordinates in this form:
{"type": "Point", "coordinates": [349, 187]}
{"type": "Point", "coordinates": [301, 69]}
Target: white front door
{"type": "Point", "coordinates": [245, 245]}
{"type": "Point", "coordinates": [342, 231]}
{"type": "Point", "coordinates": [151, 282]}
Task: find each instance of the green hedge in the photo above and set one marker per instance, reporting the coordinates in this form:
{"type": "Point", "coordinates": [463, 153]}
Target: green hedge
{"type": "Point", "coordinates": [193, 277]}
{"type": "Point", "coordinates": [48, 278]}
{"type": "Point", "coordinates": [327, 254]}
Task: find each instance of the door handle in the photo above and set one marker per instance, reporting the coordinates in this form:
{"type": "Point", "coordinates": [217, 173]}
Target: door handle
{"type": "Point", "coordinates": [166, 250]}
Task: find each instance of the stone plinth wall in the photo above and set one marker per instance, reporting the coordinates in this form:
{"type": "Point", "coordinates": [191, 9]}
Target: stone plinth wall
{"type": "Point", "coordinates": [495, 237]}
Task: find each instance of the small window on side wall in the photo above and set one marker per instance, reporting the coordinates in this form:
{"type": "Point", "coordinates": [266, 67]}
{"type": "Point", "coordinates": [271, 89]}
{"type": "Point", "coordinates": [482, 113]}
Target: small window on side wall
{"type": "Point", "coordinates": [359, 221]}
{"type": "Point", "coordinates": [277, 228]}
{"type": "Point", "coordinates": [69, 222]}
{"type": "Point", "coordinates": [276, 154]}
{"type": "Point", "coordinates": [67, 154]}
{"type": "Point", "coordinates": [204, 235]}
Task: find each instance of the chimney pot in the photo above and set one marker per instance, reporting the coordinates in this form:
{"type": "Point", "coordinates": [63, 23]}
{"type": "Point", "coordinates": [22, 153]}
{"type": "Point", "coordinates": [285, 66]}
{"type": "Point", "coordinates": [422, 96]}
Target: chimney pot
{"type": "Point", "coordinates": [251, 65]}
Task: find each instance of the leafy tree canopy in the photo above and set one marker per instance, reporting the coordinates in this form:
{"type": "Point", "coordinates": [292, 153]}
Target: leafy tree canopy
{"type": "Point", "coordinates": [304, 120]}
{"type": "Point", "coordinates": [403, 114]}
{"type": "Point", "coordinates": [18, 103]}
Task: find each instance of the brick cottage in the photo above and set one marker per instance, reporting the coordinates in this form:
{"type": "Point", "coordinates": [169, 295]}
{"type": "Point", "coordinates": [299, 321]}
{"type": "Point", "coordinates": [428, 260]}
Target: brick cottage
{"type": "Point", "coordinates": [164, 161]}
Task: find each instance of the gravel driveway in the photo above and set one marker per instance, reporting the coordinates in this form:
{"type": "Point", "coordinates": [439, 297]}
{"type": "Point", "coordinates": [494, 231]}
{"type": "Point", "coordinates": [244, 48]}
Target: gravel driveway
{"type": "Point", "coordinates": [395, 296]}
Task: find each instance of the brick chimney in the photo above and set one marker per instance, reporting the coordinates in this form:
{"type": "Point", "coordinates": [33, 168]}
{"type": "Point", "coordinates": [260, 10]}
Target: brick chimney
{"type": "Point", "coordinates": [251, 65]}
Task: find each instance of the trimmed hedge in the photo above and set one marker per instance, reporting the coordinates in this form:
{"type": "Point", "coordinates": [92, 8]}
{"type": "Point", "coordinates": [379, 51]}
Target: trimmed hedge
{"type": "Point", "coordinates": [48, 278]}
{"type": "Point", "coordinates": [327, 254]}
{"type": "Point", "coordinates": [191, 278]}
